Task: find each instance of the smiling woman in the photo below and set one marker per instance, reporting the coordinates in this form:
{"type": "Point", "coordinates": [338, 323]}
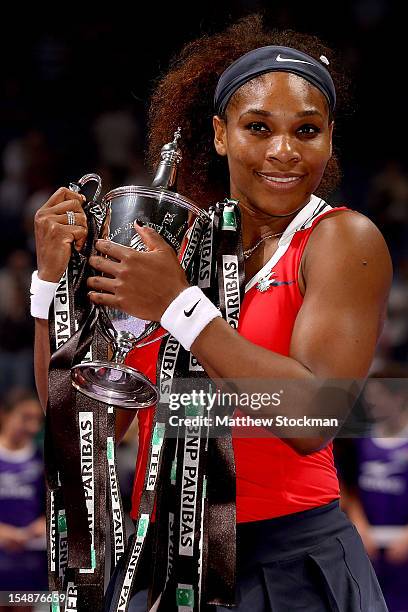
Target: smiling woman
{"type": "Point", "coordinates": [277, 153]}
{"type": "Point", "coordinates": [317, 279]}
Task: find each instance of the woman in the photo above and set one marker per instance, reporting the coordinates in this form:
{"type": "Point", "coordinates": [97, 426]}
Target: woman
{"type": "Point", "coordinates": [375, 483]}
{"type": "Point", "coordinates": [23, 561]}
{"type": "Point", "coordinates": [317, 312]}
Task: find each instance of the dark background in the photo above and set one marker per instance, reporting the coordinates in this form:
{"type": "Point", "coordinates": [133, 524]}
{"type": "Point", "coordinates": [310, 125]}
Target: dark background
{"type": "Point", "coordinates": [75, 85]}
{"type": "Point", "coordinates": [62, 71]}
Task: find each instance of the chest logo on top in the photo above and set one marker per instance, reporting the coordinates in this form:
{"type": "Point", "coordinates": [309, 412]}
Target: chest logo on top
{"type": "Point", "coordinates": [266, 282]}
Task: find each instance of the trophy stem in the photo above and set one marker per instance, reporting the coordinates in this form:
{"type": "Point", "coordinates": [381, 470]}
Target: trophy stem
{"type": "Point", "coordinates": [113, 382]}
{"type": "Point", "coordinates": [123, 343]}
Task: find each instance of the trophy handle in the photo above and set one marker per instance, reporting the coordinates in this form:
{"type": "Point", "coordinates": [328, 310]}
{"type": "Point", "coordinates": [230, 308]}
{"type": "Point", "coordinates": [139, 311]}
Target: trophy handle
{"type": "Point", "coordinates": [87, 178]}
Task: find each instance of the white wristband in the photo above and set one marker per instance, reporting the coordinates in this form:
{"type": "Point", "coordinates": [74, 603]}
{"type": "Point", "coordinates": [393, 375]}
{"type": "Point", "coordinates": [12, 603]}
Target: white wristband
{"type": "Point", "coordinates": [188, 314]}
{"type": "Point", "coordinates": [42, 294]}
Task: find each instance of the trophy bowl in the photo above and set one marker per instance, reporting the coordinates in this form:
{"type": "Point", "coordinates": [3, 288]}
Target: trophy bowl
{"type": "Point", "coordinates": [170, 214]}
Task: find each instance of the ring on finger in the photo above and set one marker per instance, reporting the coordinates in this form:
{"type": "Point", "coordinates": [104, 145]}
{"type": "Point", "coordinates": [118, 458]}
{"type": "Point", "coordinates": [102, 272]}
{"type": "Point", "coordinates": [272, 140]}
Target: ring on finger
{"type": "Point", "coordinates": [71, 217]}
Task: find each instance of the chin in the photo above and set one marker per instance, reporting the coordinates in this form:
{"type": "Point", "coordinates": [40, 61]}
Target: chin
{"type": "Point", "coordinates": [282, 204]}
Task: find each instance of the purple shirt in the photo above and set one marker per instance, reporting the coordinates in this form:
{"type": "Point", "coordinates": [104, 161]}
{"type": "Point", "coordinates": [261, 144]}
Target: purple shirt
{"type": "Point", "coordinates": [22, 487]}
{"type": "Point", "coordinates": [383, 479]}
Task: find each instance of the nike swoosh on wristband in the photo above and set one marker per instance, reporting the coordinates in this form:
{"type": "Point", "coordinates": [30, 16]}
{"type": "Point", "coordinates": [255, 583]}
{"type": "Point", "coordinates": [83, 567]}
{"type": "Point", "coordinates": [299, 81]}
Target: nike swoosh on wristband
{"type": "Point", "coordinates": [188, 313]}
{"type": "Point", "coordinates": [288, 59]}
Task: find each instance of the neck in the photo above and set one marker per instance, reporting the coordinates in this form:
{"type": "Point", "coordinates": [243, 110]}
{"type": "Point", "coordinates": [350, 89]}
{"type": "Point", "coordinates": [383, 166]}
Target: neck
{"type": "Point", "coordinates": [11, 444]}
{"type": "Point", "coordinates": [256, 224]}
{"type": "Point", "coordinates": [393, 426]}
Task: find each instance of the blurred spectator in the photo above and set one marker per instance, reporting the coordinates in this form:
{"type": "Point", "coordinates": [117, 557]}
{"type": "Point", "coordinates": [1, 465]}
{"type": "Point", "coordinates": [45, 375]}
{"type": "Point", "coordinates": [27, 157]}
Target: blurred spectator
{"type": "Point", "coordinates": [375, 490]}
{"type": "Point", "coordinates": [16, 324]}
{"type": "Point", "coordinates": [393, 344]}
{"type": "Point", "coordinates": [13, 187]}
{"type": "Point", "coordinates": [117, 136]}
{"type": "Point", "coordinates": [23, 560]}
{"type": "Point", "coordinates": [388, 205]}
{"type": "Point", "coordinates": [34, 202]}
{"type": "Point", "coordinates": [29, 167]}
{"type": "Point", "coordinates": [137, 173]}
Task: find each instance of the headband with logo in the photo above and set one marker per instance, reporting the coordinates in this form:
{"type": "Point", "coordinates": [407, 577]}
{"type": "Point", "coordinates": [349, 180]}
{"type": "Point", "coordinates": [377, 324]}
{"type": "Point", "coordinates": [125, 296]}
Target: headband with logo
{"type": "Point", "coordinates": [273, 59]}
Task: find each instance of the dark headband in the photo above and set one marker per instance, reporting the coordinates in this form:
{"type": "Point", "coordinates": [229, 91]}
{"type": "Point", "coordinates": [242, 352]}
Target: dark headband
{"type": "Point", "coordinates": [273, 59]}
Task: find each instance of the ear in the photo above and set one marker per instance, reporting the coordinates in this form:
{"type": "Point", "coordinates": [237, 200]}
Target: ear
{"type": "Point", "coordinates": [331, 127]}
{"type": "Point", "coordinates": [220, 135]}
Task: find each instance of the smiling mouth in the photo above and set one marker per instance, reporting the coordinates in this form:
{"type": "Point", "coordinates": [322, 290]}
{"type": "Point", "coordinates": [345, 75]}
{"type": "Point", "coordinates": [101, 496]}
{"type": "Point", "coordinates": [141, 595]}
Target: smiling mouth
{"type": "Point", "coordinates": [280, 179]}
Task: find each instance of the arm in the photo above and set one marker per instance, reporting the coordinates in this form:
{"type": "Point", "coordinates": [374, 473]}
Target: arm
{"type": "Point", "coordinates": [41, 360]}
{"type": "Point", "coordinates": [351, 504]}
{"type": "Point", "coordinates": [347, 273]}
{"type": "Point", "coordinates": [12, 538]}
{"type": "Point", "coordinates": [54, 239]}
{"type": "Point", "coordinates": [343, 308]}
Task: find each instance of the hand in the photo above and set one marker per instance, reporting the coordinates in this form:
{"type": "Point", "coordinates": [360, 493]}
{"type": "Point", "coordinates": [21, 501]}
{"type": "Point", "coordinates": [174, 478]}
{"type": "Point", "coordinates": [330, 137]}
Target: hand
{"type": "Point", "coordinates": [36, 529]}
{"type": "Point", "coordinates": [12, 538]}
{"type": "Point", "coordinates": [53, 235]}
{"type": "Point", "coordinates": [397, 552]}
{"type": "Point", "coordinates": [142, 284]}
{"type": "Point", "coordinates": [368, 541]}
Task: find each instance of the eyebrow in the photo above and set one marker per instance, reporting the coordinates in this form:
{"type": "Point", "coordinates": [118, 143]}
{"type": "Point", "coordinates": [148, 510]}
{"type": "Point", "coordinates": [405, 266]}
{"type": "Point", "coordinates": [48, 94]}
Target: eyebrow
{"type": "Point", "coordinates": [264, 113]}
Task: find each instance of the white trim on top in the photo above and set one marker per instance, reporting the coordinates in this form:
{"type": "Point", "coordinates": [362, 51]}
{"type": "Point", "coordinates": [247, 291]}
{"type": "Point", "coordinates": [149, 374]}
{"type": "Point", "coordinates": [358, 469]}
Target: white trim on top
{"type": "Point", "coordinates": [304, 219]}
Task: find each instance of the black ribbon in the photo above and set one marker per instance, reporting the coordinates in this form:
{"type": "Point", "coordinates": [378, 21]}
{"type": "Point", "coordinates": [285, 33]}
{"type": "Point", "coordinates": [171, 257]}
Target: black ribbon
{"type": "Point", "coordinates": [76, 564]}
{"type": "Point", "coordinates": [202, 570]}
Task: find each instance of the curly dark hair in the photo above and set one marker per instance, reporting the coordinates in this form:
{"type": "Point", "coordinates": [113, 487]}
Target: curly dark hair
{"type": "Point", "coordinates": [184, 97]}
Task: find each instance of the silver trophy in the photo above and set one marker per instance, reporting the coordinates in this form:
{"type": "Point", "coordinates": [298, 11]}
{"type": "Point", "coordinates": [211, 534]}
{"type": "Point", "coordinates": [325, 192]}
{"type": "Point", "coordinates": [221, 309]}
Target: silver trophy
{"type": "Point", "coordinates": [170, 214]}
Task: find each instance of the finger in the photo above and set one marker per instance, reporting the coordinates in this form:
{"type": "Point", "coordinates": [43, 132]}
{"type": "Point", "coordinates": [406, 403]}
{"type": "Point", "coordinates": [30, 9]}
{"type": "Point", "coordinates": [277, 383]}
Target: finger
{"type": "Point", "coordinates": [104, 299]}
{"type": "Point", "coordinates": [63, 207]}
{"type": "Point", "coordinates": [102, 283]}
{"type": "Point", "coordinates": [152, 240]}
{"type": "Point", "coordinates": [112, 249]}
{"type": "Point", "coordinates": [63, 194]}
{"type": "Point", "coordinates": [77, 234]}
{"type": "Point", "coordinates": [79, 244]}
{"type": "Point", "coordinates": [80, 219]}
{"type": "Point", "coordinates": [107, 266]}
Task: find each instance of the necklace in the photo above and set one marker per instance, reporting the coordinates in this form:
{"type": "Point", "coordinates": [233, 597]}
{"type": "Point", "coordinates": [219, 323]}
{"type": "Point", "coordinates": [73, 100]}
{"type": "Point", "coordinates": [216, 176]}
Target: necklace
{"type": "Point", "coordinates": [249, 252]}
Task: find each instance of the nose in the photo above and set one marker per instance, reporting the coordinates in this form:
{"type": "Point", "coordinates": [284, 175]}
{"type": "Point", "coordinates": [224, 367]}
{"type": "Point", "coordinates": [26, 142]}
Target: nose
{"type": "Point", "coordinates": [282, 148]}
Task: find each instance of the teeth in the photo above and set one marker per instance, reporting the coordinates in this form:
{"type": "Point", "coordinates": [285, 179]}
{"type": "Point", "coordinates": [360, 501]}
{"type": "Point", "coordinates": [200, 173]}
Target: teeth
{"type": "Point", "coordinates": [276, 179]}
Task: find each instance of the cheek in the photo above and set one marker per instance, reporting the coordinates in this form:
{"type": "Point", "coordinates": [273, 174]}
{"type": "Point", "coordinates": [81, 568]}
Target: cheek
{"type": "Point", "coordinates": [242, 155]}
{"type": "Point", "coordinates": [317, 155]}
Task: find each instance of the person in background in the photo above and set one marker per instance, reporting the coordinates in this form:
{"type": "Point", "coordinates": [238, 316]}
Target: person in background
{"type": "Point", "coordinates": [377, 500]}
{"type": "Point", "coordinates": [23, 560]}
{"type": "Point", "coordinates": [16, 328]}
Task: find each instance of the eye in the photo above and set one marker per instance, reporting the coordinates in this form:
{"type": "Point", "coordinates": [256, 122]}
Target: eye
{"type": "Point", "coordinates": [257, 126]}
{"type": "Point", "coordinates": [308, 130]}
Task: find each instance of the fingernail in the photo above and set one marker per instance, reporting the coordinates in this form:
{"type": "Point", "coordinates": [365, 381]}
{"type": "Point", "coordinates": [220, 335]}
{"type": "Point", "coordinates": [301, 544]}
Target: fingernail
{"type": "Point", "coordinates": [140, 222]}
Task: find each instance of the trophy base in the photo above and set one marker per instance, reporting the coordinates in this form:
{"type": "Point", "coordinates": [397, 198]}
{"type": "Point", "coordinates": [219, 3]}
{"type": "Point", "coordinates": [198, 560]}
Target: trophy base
{"type": "Point", "coordinates": [114, 384]}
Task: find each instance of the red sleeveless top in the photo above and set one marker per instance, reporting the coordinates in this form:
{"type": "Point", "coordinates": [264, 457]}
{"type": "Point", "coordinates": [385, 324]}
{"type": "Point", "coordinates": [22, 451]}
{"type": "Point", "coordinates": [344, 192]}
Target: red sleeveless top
{"type": "Point", "coordinates": [272, 479]}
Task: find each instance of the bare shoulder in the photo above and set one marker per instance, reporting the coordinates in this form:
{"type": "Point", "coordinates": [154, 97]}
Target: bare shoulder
{"type": "Point", "coordinates": [351, 238]}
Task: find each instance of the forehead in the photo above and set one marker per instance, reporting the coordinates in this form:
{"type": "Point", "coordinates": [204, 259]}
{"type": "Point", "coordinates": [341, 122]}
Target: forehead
{"type": "Point", "coordinates": [278, 91]}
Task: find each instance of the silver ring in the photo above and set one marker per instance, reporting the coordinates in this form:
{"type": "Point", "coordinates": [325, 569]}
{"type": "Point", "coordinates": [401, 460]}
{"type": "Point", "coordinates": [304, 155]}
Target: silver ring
{"type": "Point", "coordinates": [71, 217]}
